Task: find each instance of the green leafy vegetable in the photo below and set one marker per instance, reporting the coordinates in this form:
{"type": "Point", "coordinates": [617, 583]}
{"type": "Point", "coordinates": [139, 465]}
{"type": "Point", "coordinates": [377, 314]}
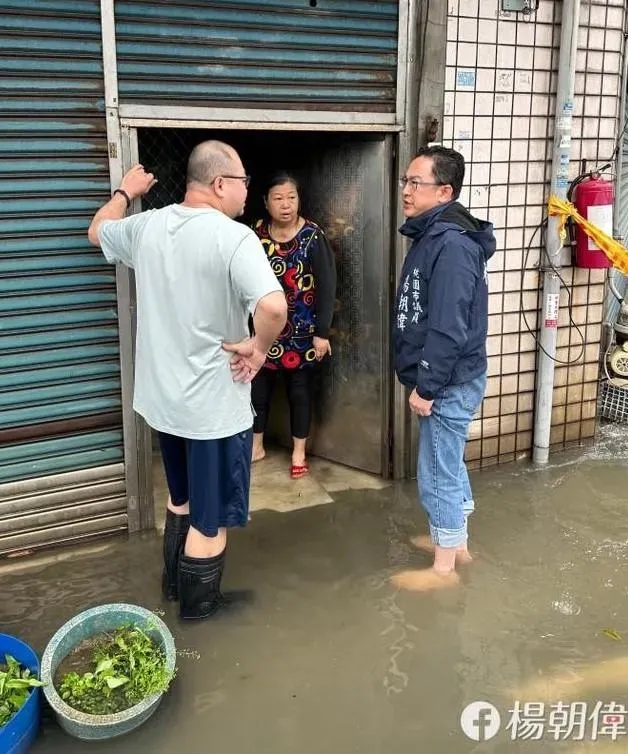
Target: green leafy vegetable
{"type": "Point", "coordinates": [128, 666]}
{"type": "Point", "coordinates": [15, 685]}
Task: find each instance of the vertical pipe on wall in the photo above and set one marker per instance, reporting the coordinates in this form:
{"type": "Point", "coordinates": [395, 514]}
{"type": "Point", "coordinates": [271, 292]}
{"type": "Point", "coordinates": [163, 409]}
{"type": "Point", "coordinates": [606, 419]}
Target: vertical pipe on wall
{"type": "Point", "coordinates": [623, 114]}
{"type": "Point", "coordinates": [559, 186]}
{"type": "Point", "coordinates": [617, 280]}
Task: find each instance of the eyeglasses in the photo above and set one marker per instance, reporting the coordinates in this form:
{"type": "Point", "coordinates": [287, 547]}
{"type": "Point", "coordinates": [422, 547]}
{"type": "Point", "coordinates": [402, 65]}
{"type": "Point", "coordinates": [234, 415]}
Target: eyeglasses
{"type": "Point", "coordinates": [245, 178]}
{"type": "Point", "coordinates": [416, 183]}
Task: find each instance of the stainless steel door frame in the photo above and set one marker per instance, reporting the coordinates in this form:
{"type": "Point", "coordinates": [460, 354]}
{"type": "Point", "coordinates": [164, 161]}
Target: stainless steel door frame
{"type": "Point", "coordinates": [137, 434]}
{"type": "Point", "coordinates": [370, 184]}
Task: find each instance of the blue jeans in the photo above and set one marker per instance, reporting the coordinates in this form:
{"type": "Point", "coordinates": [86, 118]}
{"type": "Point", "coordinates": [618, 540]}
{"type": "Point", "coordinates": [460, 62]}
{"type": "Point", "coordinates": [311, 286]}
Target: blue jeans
{"type": "Point", "coordinates": [444, 488]}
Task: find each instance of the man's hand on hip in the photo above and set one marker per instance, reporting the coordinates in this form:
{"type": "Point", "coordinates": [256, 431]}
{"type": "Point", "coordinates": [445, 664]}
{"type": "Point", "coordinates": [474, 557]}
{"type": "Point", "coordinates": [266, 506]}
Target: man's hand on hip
{"type": "Point", "coordinates": [248, 358]}
{"type": "Point", "coordinates": [418, 405]}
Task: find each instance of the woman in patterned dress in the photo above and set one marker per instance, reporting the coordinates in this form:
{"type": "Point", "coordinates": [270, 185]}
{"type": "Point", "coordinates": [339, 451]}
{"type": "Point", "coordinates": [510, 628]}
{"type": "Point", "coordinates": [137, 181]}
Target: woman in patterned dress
{"type": "Point", "coordinates": [303, 261]}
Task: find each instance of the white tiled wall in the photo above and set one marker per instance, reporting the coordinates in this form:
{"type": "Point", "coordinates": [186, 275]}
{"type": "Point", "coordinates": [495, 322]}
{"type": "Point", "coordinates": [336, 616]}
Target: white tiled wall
{"type": "Point", "coordinates": [499, 106]}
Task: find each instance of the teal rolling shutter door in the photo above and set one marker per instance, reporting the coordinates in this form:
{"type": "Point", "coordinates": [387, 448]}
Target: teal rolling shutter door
{"type": "Point", "coordinates": [339, 55]}
{"type": "Point", "coordinates": [61, 452]}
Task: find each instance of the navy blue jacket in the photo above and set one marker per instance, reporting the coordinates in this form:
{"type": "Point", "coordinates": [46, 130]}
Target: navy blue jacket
{"type": "Point", "coordinates": [441, 311]}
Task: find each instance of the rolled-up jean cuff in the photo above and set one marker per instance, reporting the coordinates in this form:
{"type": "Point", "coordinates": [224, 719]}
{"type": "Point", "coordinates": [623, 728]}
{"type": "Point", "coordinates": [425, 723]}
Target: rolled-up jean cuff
{"type": "Point", "coordinates": [448, 537]}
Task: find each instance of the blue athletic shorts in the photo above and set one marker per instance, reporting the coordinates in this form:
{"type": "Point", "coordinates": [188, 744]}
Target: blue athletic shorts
{"type": "Point", "coordinates": [212, 475]}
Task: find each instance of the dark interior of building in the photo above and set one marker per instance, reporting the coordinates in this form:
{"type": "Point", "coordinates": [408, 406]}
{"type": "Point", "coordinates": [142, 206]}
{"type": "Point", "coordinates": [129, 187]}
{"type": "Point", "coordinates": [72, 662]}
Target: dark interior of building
{"type": "Point", "coordinates": [345, 186]}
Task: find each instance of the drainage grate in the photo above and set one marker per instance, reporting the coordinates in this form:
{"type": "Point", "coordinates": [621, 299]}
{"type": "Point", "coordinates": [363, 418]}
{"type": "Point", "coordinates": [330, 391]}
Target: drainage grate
{"type": "Point", "coordinates": [614, 402]}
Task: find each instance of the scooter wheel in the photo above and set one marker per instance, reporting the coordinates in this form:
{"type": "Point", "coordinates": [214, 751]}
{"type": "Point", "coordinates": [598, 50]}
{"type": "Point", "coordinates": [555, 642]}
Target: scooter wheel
{"type": "Point", "coordinates": [619, 362]}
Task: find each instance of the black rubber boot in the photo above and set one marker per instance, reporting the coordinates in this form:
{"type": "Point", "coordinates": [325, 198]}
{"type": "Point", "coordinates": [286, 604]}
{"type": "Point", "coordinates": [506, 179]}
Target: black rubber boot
{"type": "Point", "coordinates": [199, 586]}
{"type": "Point", "coordinates": [175, 532]}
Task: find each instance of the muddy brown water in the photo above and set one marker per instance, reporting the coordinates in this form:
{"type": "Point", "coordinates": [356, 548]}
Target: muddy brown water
{"type": "Point", "coordinates": [330, 658]}
{"type": "Point", "coordinates": [79, 660]}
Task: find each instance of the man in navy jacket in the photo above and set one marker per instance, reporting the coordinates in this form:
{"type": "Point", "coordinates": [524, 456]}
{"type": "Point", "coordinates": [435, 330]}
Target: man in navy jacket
{"type": "Point", "coordinates": [441, 320]}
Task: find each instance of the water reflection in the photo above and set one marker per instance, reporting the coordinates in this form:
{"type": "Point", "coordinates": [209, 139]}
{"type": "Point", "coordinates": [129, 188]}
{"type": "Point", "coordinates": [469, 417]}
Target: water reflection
{"type": "Point", "coordinates": [331, 658]}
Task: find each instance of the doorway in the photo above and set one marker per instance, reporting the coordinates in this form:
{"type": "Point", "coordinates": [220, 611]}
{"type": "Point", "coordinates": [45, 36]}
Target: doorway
{"type": "Point", "coordinates": [346, 185]}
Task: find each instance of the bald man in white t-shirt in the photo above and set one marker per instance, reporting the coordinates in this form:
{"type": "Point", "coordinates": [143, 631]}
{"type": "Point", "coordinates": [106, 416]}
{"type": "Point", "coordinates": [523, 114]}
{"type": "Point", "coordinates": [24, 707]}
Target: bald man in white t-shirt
{"type": "Point", "coordinates": [199, 275]}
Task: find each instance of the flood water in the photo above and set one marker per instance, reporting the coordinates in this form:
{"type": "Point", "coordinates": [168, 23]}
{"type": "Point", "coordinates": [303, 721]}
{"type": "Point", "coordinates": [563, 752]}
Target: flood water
{"type": "Point", "coordinates": [331, 658]}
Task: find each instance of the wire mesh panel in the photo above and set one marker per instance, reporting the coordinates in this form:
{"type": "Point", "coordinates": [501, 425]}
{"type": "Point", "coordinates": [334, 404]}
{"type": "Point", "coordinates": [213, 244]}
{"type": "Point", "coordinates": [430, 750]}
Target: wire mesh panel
{"type": "Point", "coordinates": [165, 152]}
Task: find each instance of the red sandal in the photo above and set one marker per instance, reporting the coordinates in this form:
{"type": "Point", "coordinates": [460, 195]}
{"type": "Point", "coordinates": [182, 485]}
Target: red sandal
{"type": "Point", "coordinates": [296, 472]}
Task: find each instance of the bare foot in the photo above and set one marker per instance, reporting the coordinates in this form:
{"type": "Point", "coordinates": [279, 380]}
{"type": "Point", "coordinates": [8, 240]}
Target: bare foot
{"type": "Point", "coordinates": [426, 580]}
{"type": "Point", "coordinates": [258, 454]}
{"type": "Point", "coordinates": [463, 557]}
{"type": "Point", "coordinates": [424, 542]}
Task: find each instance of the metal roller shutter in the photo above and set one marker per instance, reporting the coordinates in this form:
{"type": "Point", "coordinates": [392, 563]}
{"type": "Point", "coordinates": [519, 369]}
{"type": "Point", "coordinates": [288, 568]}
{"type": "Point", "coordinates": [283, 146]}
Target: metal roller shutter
{"type": "Point", "coordinates": [294, 54]}
{"type": "Point", "coordinates": [61, 449]}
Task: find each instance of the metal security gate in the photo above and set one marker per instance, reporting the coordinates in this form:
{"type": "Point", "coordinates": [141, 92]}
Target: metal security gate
{"type": "Point", "coordinates": [348, 190]}
{"type": "Point", "coordinates": [61, 447]}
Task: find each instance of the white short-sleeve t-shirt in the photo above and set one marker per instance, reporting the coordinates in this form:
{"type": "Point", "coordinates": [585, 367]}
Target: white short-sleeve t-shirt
{"type": "Point", "coordinates": [198, 275]}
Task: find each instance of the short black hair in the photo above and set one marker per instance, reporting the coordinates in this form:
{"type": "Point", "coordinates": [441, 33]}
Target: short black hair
{"type": "Point", "coordinates": [447, 167]}
{"type": "Point", "coordinates": [278, 178]}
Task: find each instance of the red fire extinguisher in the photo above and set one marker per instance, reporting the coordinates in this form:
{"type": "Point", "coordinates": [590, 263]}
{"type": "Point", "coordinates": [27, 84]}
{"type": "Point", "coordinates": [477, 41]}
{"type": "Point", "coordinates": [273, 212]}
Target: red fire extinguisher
{"type": "Point", "coordinates": [594, 199]}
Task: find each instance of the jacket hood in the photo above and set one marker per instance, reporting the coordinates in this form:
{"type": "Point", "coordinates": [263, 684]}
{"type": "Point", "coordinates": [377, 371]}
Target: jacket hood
{"type": "Point", "coordinates": [452, 216]}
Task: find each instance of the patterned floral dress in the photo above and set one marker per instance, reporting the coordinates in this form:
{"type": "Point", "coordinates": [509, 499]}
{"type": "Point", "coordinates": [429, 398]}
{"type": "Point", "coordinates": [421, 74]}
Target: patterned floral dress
{"type": "Point", "coordinates": [305, 268]}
